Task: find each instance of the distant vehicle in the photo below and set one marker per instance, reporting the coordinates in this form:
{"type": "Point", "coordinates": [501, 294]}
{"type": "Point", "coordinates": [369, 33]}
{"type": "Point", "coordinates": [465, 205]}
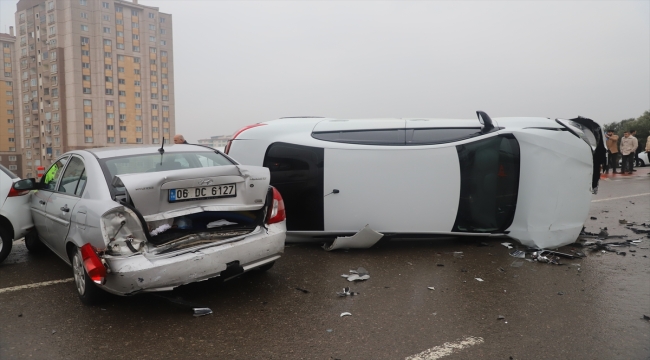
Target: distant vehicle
{"type": "Point", "coordinates": [15, 218]}
{"type": "Point", "coordinates": [137, 219]}
{"type": "Point", "coordinates": [524, 178]}
{"type": "Point", "coordinates": [641, 162]}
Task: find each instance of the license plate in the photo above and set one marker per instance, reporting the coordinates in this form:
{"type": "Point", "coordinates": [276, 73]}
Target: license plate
{"type": "Point", "coordinates": [202, 192]}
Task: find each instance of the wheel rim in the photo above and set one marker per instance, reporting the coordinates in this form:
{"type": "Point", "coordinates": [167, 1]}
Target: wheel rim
{"type": "Point", "coordinates": [2, 243]}
{"type": "Point", "coordinates": [79, 275]}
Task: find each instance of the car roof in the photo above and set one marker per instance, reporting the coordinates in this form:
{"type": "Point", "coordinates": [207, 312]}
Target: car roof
{"type": "Point", "coordinates": [114, 151]}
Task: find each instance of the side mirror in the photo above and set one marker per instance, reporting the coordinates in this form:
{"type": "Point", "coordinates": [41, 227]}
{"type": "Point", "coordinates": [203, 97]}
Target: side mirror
{"type": "Point", "coordinates": [26, 184]}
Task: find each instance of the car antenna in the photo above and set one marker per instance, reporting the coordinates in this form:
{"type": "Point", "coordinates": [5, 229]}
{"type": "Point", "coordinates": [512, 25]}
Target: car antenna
{"type": "Point", "coordinates": [162, 151]}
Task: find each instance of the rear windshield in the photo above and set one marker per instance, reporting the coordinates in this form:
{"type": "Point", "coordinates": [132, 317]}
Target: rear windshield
{"type": "Point", "coordinates": [150, 163]}
{"type": "Point", "coordinates": [8, 172]}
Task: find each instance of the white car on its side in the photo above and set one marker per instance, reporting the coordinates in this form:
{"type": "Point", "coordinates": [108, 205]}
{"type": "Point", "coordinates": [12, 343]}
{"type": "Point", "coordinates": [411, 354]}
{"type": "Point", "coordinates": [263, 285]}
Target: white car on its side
{"type": "Point", "coordinates": [529, 179]}
{"type": "Point", "coordinates": [15, 218]}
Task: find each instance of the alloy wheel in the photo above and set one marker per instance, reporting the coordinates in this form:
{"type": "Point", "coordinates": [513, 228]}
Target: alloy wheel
{"type": "Point", "coordinates": [79, 274]}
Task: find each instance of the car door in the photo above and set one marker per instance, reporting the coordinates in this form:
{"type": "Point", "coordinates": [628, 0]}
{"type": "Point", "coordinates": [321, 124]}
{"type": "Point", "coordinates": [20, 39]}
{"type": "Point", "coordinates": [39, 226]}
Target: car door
{"type": "Point", "coordinates": [40, 198]}
{"type": "Point", "coordinates": [62, 202]}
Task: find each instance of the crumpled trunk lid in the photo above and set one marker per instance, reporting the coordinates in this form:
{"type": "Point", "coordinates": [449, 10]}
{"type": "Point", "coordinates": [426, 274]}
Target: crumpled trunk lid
{"type": "Point", "coordinates": [150, 192]}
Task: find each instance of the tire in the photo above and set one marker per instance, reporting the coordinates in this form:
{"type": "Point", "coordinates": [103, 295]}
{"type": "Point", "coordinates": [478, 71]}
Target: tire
{"type": "Point", "coordinates": [33, 243]}
{"type": "Point", "coordinates": [266, 267]}
{"type": "Point", "coordinates": [88, 292]}
{"type": "Point", "coordinates": [6, 242]}
{"type": "Point", "coordinates": [640, 163]}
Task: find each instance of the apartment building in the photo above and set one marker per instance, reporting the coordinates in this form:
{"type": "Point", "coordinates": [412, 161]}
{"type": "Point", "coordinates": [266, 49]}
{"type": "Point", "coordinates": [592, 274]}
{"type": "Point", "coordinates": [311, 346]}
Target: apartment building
{"type": "Point", "coordinates": [92, 73]}
{"type": "Point", "coordinates": [10, 152]}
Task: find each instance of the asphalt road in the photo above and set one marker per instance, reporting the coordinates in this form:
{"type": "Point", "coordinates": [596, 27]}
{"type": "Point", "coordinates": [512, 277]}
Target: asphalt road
{"type": "Point", "coordinates": [263, 315]}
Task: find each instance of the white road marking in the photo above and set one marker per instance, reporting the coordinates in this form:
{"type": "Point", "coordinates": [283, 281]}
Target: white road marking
{"type": "Point", "coordinates": [621, 197]}
{"type": "Point", "coordinates": [35, 285]}
{"type": "Point", "coordinates": [445, 349]}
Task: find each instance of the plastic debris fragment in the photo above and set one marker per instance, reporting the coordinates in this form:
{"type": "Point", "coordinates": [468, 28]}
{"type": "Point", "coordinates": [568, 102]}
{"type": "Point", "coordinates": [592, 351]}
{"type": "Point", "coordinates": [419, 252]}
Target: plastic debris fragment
{"type": "Point", "coordinates": [201, 311]}
{"type": "Point", "coordinates": [361, 240]}
{"type": "Point", "coordinates": [359, 274]}
{"type": "Point", "coordinates": [219, 223]}
{"type": "Point", "coordinates": [302, 290]}
{"type": "Point", "coordinates": [479, 279]}
{"type": "Point", "coordinates": [431, 288]}
{"type": "Point", "coordinates": [346, 292]}
{"type": "Point", "coordinates": [160, 229]}
{"type": "Point", "coordinates": [518, 254]}
{"type": "Point", "coordinates": [345, 314]}
{"type": "Point", "coordinates": [501, 317]}
{"type": "Point", "coordinates": [507, 244]}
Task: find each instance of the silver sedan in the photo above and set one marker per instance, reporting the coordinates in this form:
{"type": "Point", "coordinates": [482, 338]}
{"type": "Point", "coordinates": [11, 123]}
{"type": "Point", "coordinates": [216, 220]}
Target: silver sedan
{"type": "Point", "coordinates": [138, 219]}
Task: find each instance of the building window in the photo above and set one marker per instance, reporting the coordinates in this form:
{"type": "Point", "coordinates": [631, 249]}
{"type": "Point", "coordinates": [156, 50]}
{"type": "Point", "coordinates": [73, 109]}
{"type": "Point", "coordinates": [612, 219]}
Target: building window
{"type": "Point", "coordinates": [120, 69]}
{"type": "Point", "coordinates": [122, 140]}
{"type": "Point", "coordinates": [163, 42]}
{"type": "Point", "coordinates": [85, 65]}
{"type": "Point", "coordinates": [88, 102]}
{"type": "Point", "coordinates": [163, 31]}
{"type": "Point", "coordinates": [82, 2]}
{"type": "Point", "coordinates": [10, 121]}
{"type": "Point", "coordinates": [84, 15]}
{"type": "Point", "coordinates": [86, 90]}
{"type": "Point", "coordinates": [110, 127]}
{"type": "Point", "coordinates": [120, 57]}
{"type": "Point", "coordinates": [12, 140]}
{"type": "Point", "coordinates": [138, 117]}
{"type": "Point", "coordinates": [162, 19]}
{"type": "Point", "coordinates": [118, 9]}
{"type": "Point", "coordinates": [88, 115]}
{"type": "Point", "coordinates": [120, 34]}
{"type": "Point", "coordinates": [121, 81]}
{"type": "Point", "coordinates": [89, 139]}
{"type": "Point", "coordinates": [152, 27]}
{"type": "Point", "coordinates": [85, 52]}
{"type": "Point", "coordinates": [13, 167]}
{"type": "Point", "coordinates": [154, 96]}
{"type": "Point", "coordinates": [88, 127]}
{"type": "Point", "coordinates": [165, 119]}
{"type": "Point", "coordinates": [137, 94]}
{"type": "Point", "coordinates": [136, 37]}
{"type": "Point", "coordinates": [163, 53]}
{"type": "Point", "coordinates": [122, 105]}
{"type": "Point", "coordinates": [109, 102]}
{"type": "Point", "coordinates": [138, 129]}
{"type": "Point", "coordinates": [136, 49]}
{"type": "Point", "coordinates": [136, 60]}
{"type": "Point", "coordinates": [106, 18]}
{"type": "Point", "coordinates": [122, 128]}
{"type": "Point", "coordinates": [121, 93]}
{"type": "Point", "coordinates": [110, 116]}
{"type": "Point", "coordinates": [136, 71]}
{"type": "Point", "coordinates": [107, 42]}
{"type": "Point", "coordinates": [108, 54]}
{"type": "Point", "coordinates": [110, 140]}
{"type": "Point", "coordinates": [154, 106]}
{"type": "Point", "coordinates": [107, 30]}
{"type": "Point", "coordinates": [122, 117]}
{"type": "Point", "coordinates": [109, 92]}
{"type": "Point", "coordinates": [120, 46]}
{"type": "Point", "coordinates": [134, 12]}
{"type": "Point", "coordinates": [53, 68]}
{"type": "Point", "coordinates": [119, 22]}
{"type": "Point", "coordinates": [108, 67]}
{"type": "Point", "coordinates": [84, 27]}
{"type": "Point", "coordinates": [106, 5]}
{"type": "Point", "coordinates": [135, 25]}
{"type": "Point", "coordinates": [152, 38]}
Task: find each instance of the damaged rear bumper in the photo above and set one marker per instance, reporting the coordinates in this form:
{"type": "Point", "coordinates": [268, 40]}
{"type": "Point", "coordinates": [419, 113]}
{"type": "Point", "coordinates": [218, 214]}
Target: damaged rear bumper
{"type": "Point", "coordinates": [142, 273]}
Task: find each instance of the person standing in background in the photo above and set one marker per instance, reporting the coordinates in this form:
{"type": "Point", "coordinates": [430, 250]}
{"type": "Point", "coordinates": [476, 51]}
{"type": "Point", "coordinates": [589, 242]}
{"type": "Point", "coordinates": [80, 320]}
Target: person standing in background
{"type": "Point", "coordinates": [636, 152]}
{"type": "Point", "coordinates": [612, 151]}
{"type": "Point", "coordinates": [647, 146]}
{"type": "Point", "coordinates": [628, 147]}
{"type": "Point", "coordinates": [179, 139]}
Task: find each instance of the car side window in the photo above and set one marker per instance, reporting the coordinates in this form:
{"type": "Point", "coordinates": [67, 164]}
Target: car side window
{"type": "Point", "coordinates": [51, 178]}
{"type": "Point", "coordinates": [72, 176]}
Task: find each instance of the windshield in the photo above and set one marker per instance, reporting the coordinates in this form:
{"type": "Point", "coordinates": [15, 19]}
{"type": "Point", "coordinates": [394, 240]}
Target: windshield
{"type": "Point", "coordinates": [150, 163]}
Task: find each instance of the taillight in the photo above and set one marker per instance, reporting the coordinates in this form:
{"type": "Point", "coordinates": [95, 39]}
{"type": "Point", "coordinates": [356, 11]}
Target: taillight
{"type": "Point", "coordinates": [93, 264]}
{"type": "Point", "coordinates": [276, 212]}
{"type": "Point", "coordinates": [13, 192]}
{"type": "Point", "coordinates": [227, 149]}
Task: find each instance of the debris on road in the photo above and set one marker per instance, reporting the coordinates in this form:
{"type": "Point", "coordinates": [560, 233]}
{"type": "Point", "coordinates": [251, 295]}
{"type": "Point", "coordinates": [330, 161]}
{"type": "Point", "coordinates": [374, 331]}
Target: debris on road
{"type": "Point", "coordinates": [507, 244]}
{"type": "Point", "coordinates": [479, 279]}
{"type": "Point", "coordinates": [594, 218]}
{"type": "Point", "coordinates": [440, 264]}
{"type": "Point", "coordinates": [622, 221]}
{"type": "Point", "coordinates": [501, 269]}
{"type": "Point", "coordinates": [202, 311]}
{"type": "Point", "coordinates": [481, 244]}
{"type": "Point", "coordinates": [603, 233]}
{"type": "Point", "coordinates": [197, 310]}
{"type": "Point", "coordinates": [458, 254]}
{"type": "Point", "coordinates": [345, 314]}
{"type": "Point", "coordinates": [364, 239]}
{"type": "Point", "coordinates": [518, 254]}
{"type": "Point", "coordinates": [303, 290]}
{"type": "Point", "coordinates": [501, 317]}
{"type": "Point", "coordinates": [517, 264]}
{"type": "Point", "coordinates": [646, 317]}
{"type": "Point", "coordinates": [431, 288]}
{"type": "Point", "coordinates": [623, 253]}
{"type": "Point", "coordinates": [346, 292]}
{"type": "Point", "coordinates": [359, 274]}
{"type": "Point", "coordinates": [560, 293]}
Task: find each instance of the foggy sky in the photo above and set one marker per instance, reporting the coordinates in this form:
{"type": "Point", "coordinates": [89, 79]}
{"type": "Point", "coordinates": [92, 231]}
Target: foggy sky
{"type": "Point", "coordinates": [238, 63]}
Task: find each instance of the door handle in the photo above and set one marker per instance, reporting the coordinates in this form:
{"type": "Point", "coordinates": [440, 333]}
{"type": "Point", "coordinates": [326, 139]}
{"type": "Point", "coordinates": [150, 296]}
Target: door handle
{"type": "Point", "coordinates": [41, 202]}
{"type": "Point", "coordinates": [65, 208]}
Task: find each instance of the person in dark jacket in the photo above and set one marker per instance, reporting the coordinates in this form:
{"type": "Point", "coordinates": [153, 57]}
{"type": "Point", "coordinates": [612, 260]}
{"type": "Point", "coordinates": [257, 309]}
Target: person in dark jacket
{"type": "Point", "coordinates": [179, 139]}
